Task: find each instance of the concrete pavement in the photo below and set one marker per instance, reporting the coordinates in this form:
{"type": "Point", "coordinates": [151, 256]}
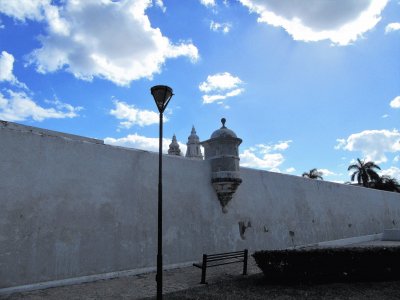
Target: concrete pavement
{"type": "Point", "coordinates": [137, 286]}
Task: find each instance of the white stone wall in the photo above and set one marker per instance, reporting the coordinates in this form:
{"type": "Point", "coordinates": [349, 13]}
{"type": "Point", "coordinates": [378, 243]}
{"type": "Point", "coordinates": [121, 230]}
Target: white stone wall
{"type": "Point", "coordinates": [71, 206]}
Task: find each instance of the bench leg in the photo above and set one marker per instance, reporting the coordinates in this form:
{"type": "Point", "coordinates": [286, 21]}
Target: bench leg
{"type": "Point", "coordinates": [203, 269]}
{"type": "Point", "coordinates": [245, 262]}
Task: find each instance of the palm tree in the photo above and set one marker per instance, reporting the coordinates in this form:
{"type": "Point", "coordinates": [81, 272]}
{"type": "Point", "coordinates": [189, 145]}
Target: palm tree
{"type": "Point", "coordinates": [365, 172]}
{"type": "Point", "coordinates": [313, 174]}
{"type": "Point", "coordinates": [387, 183]}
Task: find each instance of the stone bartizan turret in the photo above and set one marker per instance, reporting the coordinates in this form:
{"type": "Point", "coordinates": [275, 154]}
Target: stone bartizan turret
{"type": "Point", "coordinates": [193, 146]}
{"type": "Point", "coordinates": [222, 149]}
{"type": "Point", "coordinates": [174, 147]}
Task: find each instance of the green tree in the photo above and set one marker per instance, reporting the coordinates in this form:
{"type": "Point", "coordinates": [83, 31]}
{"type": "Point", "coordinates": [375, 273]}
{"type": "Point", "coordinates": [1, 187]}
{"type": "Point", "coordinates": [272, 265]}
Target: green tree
{"type": "Point", "coordinates": [364, 172]}
{"type": "Point", "coordinates": [387, 183]}
{"type": "Point", "coordinates": [313, 174]}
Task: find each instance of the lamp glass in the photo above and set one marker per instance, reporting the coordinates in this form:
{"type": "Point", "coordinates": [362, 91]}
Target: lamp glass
{"type": "Point", "coordinates": [161, 94]}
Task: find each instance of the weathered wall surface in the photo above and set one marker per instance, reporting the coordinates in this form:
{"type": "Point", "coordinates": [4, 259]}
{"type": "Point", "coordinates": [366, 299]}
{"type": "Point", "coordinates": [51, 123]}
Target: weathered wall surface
{"type": "Point", "coordinates": [72, 207]}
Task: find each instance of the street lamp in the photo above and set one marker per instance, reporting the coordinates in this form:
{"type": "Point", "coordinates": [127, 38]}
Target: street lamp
{"type": "Point", "coordinates": [162, 94]}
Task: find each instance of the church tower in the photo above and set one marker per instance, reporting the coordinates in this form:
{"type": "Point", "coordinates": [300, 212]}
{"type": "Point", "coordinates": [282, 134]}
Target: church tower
{"type": "Point", "coordinates": [193, 146]}
{"type": "Point", "coordinates": [174, 147]}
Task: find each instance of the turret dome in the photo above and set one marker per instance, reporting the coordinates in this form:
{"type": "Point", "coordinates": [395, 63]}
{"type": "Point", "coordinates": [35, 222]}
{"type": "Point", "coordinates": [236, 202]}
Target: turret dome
{"type": "Point", "coordinates": [223, 131]}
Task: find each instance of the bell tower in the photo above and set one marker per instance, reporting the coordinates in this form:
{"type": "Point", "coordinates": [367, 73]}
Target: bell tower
{"type": "Point", "coordinates": [193, 146]}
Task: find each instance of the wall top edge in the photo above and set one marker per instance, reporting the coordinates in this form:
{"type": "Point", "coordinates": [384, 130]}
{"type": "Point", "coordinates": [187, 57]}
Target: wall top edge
{"type": "Point", "coordinates": [42, 131]}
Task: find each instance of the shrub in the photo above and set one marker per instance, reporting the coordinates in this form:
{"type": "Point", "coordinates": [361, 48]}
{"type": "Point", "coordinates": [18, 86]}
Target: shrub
{"type": "Point", "coordinates": [330, 264]}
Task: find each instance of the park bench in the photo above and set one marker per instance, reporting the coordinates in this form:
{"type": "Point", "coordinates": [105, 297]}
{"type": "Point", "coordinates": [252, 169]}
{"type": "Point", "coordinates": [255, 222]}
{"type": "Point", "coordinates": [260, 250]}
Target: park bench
{"type": "Point", "coordinates": [214, 260]}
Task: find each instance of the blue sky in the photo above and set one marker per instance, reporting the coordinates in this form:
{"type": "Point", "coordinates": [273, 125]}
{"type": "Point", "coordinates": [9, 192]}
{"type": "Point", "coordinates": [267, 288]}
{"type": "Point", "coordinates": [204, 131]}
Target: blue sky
{"type": "Point", "coordinates": [304, 86]}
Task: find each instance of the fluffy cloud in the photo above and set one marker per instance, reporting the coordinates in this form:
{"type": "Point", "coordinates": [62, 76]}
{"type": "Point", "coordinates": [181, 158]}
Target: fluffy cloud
{"type": "Point", "coordinates": [19, 107]}
{"type": "Point", "coordinates": [6, 69]}
{"type": "Point", "coordinates": [160, 4]}
{"type": "Point", "coordinates": [392, 27]}
{"type": "Point", "coordinates": [392, 172]}
{"type": "Point", "coordinates": [220, 86]}
{"type": "Point", "coordinates": [210, 3]}
{"type": "Point", "coordinates": [220, 27]}
{"type": "Point", "coordinates": [342, 22]}
{"type": "Point", "coordinates": [373, 144]}
{"type": "Point", "coordinates": [141, 142]}
{"type": "Point", "coordinates": [134, 116]}
{"type": "Point", "coordinates": [290, 170]}
{"type": "Point", "coordinates": [35, 10]}
{"type": "Point", "coordinates": [395, 103]}
{"type": "Point", "coordinates": [267, 161]}
{"type": "Point", "coordinates": [326, 172]}
{"type": "Point", "coordinates": [109, 39]}
{"type": "Point", "coordinates": [23, 10]}
{"type": "Point", "coordinates": [262, 157]}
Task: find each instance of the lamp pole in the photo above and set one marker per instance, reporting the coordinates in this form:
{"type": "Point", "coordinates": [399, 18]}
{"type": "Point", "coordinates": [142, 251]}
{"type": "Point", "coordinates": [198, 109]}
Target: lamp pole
{"type": "Point", "coordinates": [162, 94]}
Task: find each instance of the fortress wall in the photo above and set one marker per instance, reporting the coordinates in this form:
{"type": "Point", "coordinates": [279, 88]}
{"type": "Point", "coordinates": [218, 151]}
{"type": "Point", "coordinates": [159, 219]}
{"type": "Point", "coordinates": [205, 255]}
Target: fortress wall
{"type": "Point", "coordinates": [71, 206]}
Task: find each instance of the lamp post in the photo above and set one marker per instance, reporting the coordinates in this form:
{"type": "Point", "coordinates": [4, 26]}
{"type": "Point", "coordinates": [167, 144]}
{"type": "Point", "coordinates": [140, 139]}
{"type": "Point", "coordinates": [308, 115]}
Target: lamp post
{"type": "Point", "coordinates": [162, 94]}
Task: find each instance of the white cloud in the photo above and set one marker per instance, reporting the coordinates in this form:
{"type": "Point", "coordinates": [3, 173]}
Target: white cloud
{"type": "Point", "coordinates": [35, 10]}
{"type": "Point", "coordinates": [141, 142]}
{"type": "Point", "coordinates": [373, 144]}
{"type": "Point", "coordinates": [395, 103]}
{"type": "Point", "coordinates": [385, 116]}
{"type": "Point", "coordinates": [219, 82]}
{"type": "Point", "coordinates": [326, 172]}
{"type": "Point", "coordinates": [23, 10]}
{"type": "Point", "coordinates": [113, 40]}
{"type": "Point", "coordinates": [220, 27]}
{"type": "Point", "coordinates": [210, 3]}
{"type": "Point", "coordinates": [290, 170]}
{"type": "Point", "coordinates": [251, 159]}
{"type": "Point", "coordinates": [213, 98]}
{"type": "Point", "coordinates": [6, 70]}
{"type": "Point", "coordinates": [160, 4]}
{"type": "Point", "coordinates": [220, 86]}
{"type": "Point", "coordinates": [19, 107]}
{"type": "Point", "coordinates": [392, 27]}
{"type": "Point", "coordinates": [280, 146]}
{"type": "Point", "coordinates": [392, 172]}
{"type": "Point", "coordinates": [6, 67]}
{"type": "Point", "coordinates": [134, 116]}
{"type": "Point", "coordinates": [342, 22]}
{"type": "Point", "coordinates": [263, 157]}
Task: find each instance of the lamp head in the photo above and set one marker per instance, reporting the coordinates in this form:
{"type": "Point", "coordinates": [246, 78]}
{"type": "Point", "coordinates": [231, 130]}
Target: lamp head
{"type": "Point", "coordinates": [161, 94]}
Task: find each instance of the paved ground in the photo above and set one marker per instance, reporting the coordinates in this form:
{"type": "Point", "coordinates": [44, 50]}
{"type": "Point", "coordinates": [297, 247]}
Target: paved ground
{"type": "Point", "coordinates": [144, 285]}
{"type": "Point", "coordinates": [138, 286]}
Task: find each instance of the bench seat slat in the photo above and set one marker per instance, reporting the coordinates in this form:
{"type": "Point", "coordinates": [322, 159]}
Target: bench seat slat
{"type": "Point", "coordinates": [200, 265]}
{"type": "Point", "coordinates": [222, 258]}
{"type": "Point", "coordinates": [225, 263]}
{"type": "Point", "coordinates": [226, 254]}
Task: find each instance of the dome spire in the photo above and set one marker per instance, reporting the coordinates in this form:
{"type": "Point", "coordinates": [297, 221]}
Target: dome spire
{"type": "Point", "coordinates": [193, 146]}
{"type": "Point", "coordinates": [174, 147]}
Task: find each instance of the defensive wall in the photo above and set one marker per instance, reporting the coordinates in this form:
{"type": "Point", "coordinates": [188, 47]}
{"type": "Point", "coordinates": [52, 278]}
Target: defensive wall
{"type": "Point", "coordinates": [72, 207]}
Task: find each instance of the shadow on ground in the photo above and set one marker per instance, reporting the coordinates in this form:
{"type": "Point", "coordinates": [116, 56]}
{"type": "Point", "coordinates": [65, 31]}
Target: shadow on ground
{"type": "Point", "coordinates": [255, 287]}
